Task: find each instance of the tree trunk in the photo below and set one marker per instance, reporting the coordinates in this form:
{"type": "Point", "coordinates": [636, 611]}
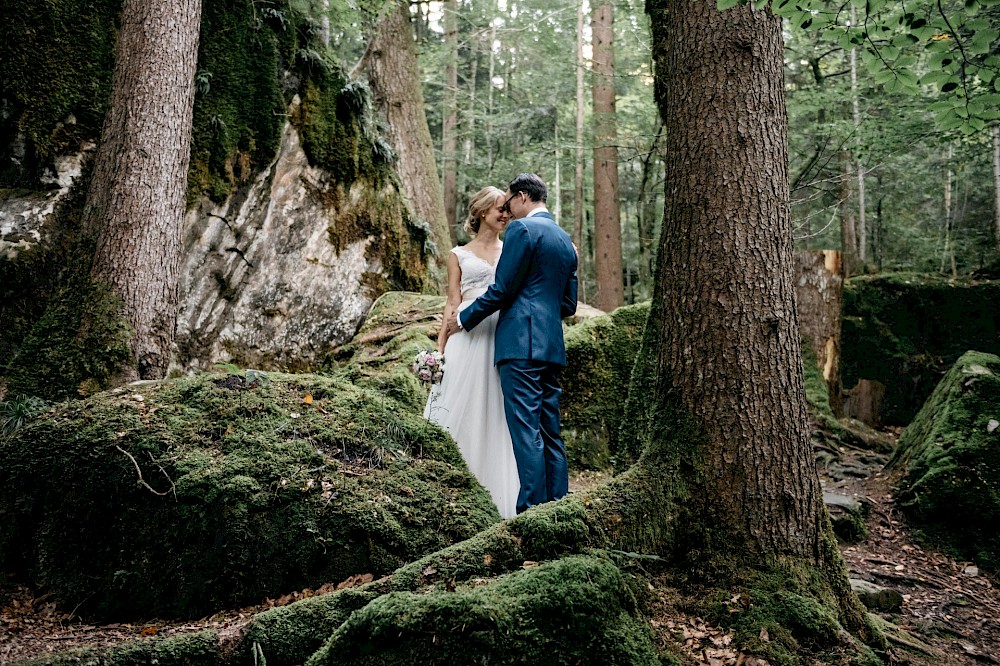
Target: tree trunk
{"type": "Point", "coordinates": [948, 256]}
{"type": "Point", "coordinates": [608, 293]}
{"type": "Point", "coordinates": [862, 228]}
{"type": "Point", "coordinates": [996, 183]}
{"type": "Point", "coordinates": [723, 365]}
{"type": "Point", "coordinates": [395, 78]}
{"type": "Point", "coordinates": [449, 140]}
{"type": "Point", "coordinates": [848, 224]}
{"type": "Point", "coordinates": [818, 297]}
{"type": "Point", "coordinates": [578, 174]}
{"type": "Point", "coordinates": [135, 204]}
{"type": "Point", "coordinates": [647, 210]}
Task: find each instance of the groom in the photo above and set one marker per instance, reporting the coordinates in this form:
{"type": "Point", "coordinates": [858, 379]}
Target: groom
{"type": "Point", "coordinates": [535, 287]}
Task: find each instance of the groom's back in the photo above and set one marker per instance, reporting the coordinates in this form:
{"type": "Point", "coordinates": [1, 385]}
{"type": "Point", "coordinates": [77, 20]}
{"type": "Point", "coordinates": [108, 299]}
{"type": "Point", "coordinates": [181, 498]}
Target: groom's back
{"type": "Point", "coordinates": [531, 328]}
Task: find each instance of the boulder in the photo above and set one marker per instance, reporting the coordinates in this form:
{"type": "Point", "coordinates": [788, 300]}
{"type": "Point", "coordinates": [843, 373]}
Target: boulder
{"type": "Point", "coordinates": [950, 459]}
{"type": "Point", "coordinates": [600, 353]}
{"type": "Point", "coordinates": [847, 516]}
{"type": "Point", "coordinates": [876, 598]}
{"type": "Point", "coordinates": [178, 498]}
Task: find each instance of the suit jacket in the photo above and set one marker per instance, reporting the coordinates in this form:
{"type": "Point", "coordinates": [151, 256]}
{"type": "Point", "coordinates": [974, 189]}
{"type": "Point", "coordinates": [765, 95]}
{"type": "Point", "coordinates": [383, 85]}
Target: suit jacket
{"type": "Point", "coordinates": [535, 287]}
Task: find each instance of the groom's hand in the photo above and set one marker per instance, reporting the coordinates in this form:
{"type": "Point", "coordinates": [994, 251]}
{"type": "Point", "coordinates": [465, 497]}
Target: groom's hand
{"type": "Point", "coordinates": [453, 325]}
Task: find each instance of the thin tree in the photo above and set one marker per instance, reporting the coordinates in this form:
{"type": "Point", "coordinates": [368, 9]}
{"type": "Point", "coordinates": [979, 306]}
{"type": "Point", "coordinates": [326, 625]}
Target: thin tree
{"type": "Point", "coordinates": [135, 204]}
{"type": "Point", "coordinates": [578, 174]}
{"type": "Point", "coordinates": [609, 293]}
{"type": "Point", "coordinates": [449, 139]}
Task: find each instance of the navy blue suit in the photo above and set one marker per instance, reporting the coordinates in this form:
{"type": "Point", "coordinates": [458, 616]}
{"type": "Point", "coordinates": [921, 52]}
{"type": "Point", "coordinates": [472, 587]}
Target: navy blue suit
{"type": "Point", "coordinates": [535, 287]}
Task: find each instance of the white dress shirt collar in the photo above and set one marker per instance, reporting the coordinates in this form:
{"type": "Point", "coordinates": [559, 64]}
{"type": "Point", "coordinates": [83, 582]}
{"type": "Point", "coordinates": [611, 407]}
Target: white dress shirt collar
{"type": "Point", "coordinates": [536, 211]}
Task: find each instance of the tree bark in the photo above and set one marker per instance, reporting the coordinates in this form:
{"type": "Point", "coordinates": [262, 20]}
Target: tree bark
{"type": "Point", "coordinates": [609, 293]}
{"type": "Point", "coordinates": [724, 310]}
{"type": "Point", "coordinates": [848, 223]}
{"type": "Point", "coordinates": [395, 79]}
{"type": "Point", "coordinates": [818, 298]}
{"type": "Point", "coordinates": [449, 139]}
{"type": "Point", "coordinates": [862, 226]}
{"type": "Point", "coordinates": [996, 183]}
{"type": "Point", "coordinates": [135, 204]}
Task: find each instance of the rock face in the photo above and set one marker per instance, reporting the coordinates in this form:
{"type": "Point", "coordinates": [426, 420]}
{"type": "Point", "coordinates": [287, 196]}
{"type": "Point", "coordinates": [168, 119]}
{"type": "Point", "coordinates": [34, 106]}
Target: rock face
{"type": "Point", "coordinates": [263, 282]}
{"type": "Point", "coordinates": [276, 276]}
{"type": "Point", "coordinates": [951, 457]}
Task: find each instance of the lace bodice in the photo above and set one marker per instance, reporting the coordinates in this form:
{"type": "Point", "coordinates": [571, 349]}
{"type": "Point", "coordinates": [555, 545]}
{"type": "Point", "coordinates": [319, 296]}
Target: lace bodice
{"type": "Point", "coordinates": [477, 273]}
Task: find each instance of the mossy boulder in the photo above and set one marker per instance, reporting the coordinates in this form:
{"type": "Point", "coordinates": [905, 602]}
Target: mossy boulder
{"type": "Point", "coordinates": [179, 498]}
{"type": "Point", "coordinates": [600, 353]}
{"type": "Point", "coordinates": [951, 458]}
{"type": "Point", "coordinates": [905, 330]}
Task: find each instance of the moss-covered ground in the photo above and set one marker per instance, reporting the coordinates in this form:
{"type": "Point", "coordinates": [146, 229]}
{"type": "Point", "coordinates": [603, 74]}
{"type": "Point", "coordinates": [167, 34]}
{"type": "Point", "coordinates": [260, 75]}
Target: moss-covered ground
{"type": "Point", "coordinates": [568, 582]}
{"type": "Point", "coordinates": [183, 497]}
{"type": "Point", "coordinates": [906, 330]}
{"type": "Point", "coordinates": [951, 458]}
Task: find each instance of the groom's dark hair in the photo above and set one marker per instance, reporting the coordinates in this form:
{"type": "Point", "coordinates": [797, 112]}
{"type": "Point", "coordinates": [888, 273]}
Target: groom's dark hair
{"type": "Point", "coordinates": [530, 184]}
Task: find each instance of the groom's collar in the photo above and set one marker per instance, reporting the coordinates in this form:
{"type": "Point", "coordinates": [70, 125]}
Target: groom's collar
{"type": "Point", "coordinates": [540, 211]}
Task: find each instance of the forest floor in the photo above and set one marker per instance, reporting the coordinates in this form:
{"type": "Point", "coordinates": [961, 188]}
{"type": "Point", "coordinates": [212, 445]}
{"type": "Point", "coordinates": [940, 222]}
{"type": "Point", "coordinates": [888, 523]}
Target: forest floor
{"type": "Point", "coordinates": [950, 612]}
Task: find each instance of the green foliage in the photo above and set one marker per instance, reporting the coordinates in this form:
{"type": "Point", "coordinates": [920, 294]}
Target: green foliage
{"type": "Point", "coordinates": [18, 411]}
{"type": "Point", "coordinates": [573, 610]}
{"type": "Point", "coordinates": [906, 330]}
{"type": "Point", "coordinates": [183, 497]}
{"type": "Point", "coordinates": [952, 461]}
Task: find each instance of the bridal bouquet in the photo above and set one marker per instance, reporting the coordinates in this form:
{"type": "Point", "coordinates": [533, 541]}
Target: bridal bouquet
{"type": "Point", "coordinates": [428, 366]}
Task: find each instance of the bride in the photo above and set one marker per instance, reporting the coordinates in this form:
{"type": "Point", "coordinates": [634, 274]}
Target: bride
{"type": "Point", "coordinates": [468, 401]}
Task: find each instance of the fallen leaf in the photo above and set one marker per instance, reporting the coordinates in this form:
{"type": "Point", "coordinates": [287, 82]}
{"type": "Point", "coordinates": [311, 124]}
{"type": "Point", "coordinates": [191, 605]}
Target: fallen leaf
{"type": "Point", "coordinates": [429, 571]}
{"type": "Point", "coordinates": [528, 564]}
{"type": "Point", "coordinates": [149, 631]}
{"type": "Point", "coordinates": [308, 399]}
{"type": "Point", "coordinates": [487, 559]}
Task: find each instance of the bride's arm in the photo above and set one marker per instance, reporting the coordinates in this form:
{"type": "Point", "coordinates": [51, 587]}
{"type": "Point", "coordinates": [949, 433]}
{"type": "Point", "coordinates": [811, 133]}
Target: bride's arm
{"type": "Point", "coordinates": [454, 299]}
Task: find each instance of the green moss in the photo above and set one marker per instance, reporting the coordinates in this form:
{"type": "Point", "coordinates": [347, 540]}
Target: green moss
{"type": "Point", "coordinates": [951, 487]}
{"type": "Point", "coordinates": [79, 346]}
{"type": "Point", "coordinates": [238, 60]}
{"type": "Point", "coordinates": [238, 499]}
{"type": "Point", "coordinates": [906, 330]}
{"type": "Point", "coordinates": [57, 61]}
{"type": "Point", "coordinates": [600, 353]}
{"type": "Point", "coordinates": [573, 610]}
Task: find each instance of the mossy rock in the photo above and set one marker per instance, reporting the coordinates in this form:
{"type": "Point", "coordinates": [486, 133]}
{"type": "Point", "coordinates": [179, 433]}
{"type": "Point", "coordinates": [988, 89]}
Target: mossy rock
{"type": "Point", "coordinates": [905, 330]}
{"type": "Point", "coordinates": [398, 325]}
{"type": "Point", "coordinates": [183, 497]}
{"type": "Point", "coordinates": [951, 457]}
{"type": "Point", "coordinates": [574, 610]}
{"type": "Point", "coordinates": [600, 353]}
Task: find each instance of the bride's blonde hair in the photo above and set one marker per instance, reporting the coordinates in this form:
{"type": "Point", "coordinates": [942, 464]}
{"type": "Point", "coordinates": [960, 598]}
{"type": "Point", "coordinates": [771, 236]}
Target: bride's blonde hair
{"type": "Point", "coordinates": [479, 205]}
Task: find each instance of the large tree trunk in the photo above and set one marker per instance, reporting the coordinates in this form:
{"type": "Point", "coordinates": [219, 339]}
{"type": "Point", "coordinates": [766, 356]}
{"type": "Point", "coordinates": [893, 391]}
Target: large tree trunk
{"type": "Point", "coordinates": [391, 59]}
{"type": "Point", "coordinates": [818, 298]}
{"type": "Point", "coordinates": [729, 353]}
{"type": "Point", "coordinates": [449, 139]}
{"type": "Point", "coordinates": [609, 293]}
{"type": "Point", "coordinates": [136, 199]}
{"type": "Point", "coordinates": [996, 183]}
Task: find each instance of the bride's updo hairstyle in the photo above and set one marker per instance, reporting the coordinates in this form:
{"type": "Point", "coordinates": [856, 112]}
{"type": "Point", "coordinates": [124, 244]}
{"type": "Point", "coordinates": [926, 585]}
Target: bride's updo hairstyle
{"type": "Point", "coordinates": [479, 205]}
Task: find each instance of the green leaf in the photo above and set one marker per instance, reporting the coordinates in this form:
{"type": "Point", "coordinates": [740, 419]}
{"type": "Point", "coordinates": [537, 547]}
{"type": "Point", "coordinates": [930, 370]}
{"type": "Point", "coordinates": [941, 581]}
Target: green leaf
{"type": "Point", "coordinates": [889, 52]}
{"type": "Point", "coordinates": [723, 5]}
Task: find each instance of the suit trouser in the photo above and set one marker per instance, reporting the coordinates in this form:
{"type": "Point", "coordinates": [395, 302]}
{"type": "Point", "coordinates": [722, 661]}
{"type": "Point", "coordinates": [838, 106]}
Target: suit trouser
{"type": "Point", "coordinates": [531, 400]}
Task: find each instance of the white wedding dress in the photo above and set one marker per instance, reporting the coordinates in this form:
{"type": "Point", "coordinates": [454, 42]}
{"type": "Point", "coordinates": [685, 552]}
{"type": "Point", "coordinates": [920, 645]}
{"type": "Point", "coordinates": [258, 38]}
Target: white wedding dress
{"type": "Point", "coordinates": [468, 402]}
